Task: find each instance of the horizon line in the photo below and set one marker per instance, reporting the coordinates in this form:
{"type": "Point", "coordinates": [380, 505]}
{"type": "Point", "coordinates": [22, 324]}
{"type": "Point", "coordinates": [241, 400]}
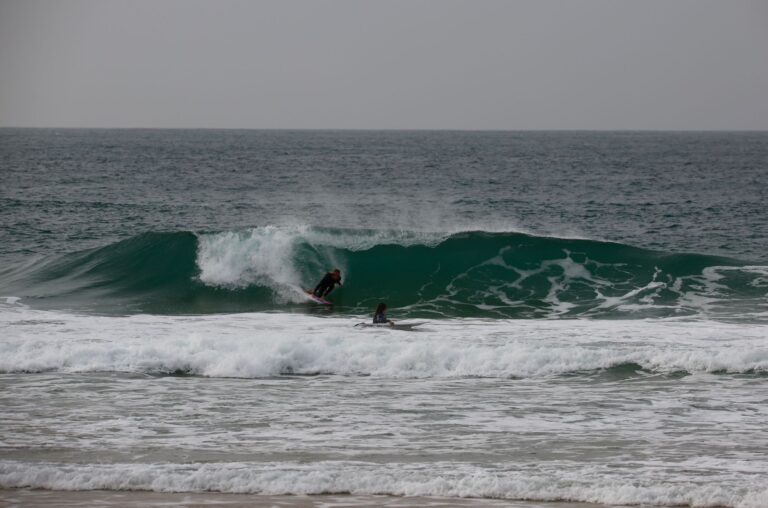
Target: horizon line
{"type": "Point", "coordinates": [393, 129]}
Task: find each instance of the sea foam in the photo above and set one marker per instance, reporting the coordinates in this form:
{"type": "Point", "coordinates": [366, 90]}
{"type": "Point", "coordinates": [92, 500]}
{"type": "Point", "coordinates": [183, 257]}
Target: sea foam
{"type": "Point", "coordinates": [565, 482]}
{"type": "Point", "coordinates": [254, 345]}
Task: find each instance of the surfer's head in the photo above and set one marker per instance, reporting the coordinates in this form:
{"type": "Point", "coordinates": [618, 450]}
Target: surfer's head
{"type": "Point", "coordinates": [336, 273]}
{"type": "Point", "coordinates": [380, 308]}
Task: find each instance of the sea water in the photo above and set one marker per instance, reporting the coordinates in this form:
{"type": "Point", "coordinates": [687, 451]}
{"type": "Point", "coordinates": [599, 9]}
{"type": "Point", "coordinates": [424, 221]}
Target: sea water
{"type": "Point", "coordinates": [594, 312]}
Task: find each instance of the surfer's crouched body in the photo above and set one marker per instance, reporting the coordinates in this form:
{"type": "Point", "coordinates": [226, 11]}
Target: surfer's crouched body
{"type": "Point", "coordinates": [326, 285]}
{"type": "Point", "coordinates": [380, 315]}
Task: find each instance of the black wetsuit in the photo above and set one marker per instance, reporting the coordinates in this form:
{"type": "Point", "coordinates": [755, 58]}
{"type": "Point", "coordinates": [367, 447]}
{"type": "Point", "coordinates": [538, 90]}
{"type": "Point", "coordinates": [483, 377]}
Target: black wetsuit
{"type": "Point", "coordinates": [326, 285]}
{"type": "Point", "coordinates": [380, 318]}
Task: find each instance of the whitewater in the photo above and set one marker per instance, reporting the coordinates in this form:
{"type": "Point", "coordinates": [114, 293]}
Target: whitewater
{"type": "Point", "coordinates": [273, 344]}
{"type": "Point", "coordinates": [591, 317]}
{"type": "Point", "coordinates": [613, 412]}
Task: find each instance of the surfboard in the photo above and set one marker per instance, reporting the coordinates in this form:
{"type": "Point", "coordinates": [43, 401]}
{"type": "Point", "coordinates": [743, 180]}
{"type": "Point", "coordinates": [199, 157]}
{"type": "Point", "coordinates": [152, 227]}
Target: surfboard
{"type": "Point", "coordinates": [317, 299]}
{"type": "Point", "coordinates": [396, 326]}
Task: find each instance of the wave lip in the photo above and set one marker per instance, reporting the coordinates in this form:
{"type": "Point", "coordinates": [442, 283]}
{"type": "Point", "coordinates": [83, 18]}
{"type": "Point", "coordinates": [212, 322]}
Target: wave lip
{"type": "Point", "coordinates": [434, 275]}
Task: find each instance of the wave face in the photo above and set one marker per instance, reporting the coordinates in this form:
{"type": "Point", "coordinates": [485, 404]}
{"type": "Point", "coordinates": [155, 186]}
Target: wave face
{"type": "Point", "coordinates": [466, 274]}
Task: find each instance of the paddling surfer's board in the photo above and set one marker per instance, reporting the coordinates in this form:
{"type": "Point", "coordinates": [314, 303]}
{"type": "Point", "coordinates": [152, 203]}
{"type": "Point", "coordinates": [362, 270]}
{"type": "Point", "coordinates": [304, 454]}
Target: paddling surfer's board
{"type": "Point", "coordinates": [396, 326]}
{"type": "Point", "coordinates": [317, 299]}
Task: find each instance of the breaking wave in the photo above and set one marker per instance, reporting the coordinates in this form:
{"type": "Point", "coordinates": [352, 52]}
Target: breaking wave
{"type": "Point", "coordinates": [466, 274]}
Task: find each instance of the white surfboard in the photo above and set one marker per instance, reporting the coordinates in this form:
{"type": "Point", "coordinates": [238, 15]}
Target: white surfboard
{"type": "Point", "coordinates": [316, 299]}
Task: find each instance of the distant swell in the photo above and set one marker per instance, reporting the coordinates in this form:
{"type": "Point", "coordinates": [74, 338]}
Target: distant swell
{"type": "Point", "coordinates": [469, 274]}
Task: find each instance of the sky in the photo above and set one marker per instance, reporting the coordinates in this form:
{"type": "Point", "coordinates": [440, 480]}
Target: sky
{"type": "Point", "coordinates": [387, 64]}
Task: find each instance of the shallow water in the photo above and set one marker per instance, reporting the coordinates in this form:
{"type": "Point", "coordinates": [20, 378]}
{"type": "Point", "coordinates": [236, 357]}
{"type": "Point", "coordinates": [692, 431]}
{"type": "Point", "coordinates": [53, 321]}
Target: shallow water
{"type": "Point", "coordinates": [612, 412]}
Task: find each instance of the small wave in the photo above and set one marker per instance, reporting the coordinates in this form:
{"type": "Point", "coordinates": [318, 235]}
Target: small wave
{"type": "Point", "coordinates": [567, 482]}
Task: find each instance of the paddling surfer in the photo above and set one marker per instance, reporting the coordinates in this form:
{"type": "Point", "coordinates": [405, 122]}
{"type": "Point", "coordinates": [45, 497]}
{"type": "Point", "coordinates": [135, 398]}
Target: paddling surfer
{"type": "Point", "coordinates": [380, 315]}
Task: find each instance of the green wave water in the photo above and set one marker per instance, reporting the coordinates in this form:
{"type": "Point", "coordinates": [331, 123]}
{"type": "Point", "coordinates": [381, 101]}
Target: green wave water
{"type": "Point", "coordinates": [467, 274]}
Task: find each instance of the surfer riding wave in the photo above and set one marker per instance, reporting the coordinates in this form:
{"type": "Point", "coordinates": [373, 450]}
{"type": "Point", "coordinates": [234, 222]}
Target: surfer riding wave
{"type": "Point", "coordinates": [328, 283]}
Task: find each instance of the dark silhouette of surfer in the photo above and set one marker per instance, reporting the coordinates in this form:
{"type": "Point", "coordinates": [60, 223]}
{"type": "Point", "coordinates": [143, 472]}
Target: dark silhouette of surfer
{"type": "Point", "coordinates": [380, 315]}
{"type": "Point", "coordinates": [327, 284]}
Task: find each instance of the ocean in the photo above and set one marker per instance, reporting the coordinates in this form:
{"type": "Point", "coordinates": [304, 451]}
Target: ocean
{"type": "Point", "coordinates": [590, 311]}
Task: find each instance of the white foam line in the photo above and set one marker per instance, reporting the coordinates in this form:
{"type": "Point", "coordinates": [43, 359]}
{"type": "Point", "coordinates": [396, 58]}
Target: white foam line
{"type": "Point", "coordinates": [264, 344]}
{"type": "Point", "coordinates": [561, 482]}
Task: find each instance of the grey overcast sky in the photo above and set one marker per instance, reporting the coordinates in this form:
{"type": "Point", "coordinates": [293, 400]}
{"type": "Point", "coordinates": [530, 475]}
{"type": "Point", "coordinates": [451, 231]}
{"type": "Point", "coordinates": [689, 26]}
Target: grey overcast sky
{"type": "Point", "coordinates": [411, 64]}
